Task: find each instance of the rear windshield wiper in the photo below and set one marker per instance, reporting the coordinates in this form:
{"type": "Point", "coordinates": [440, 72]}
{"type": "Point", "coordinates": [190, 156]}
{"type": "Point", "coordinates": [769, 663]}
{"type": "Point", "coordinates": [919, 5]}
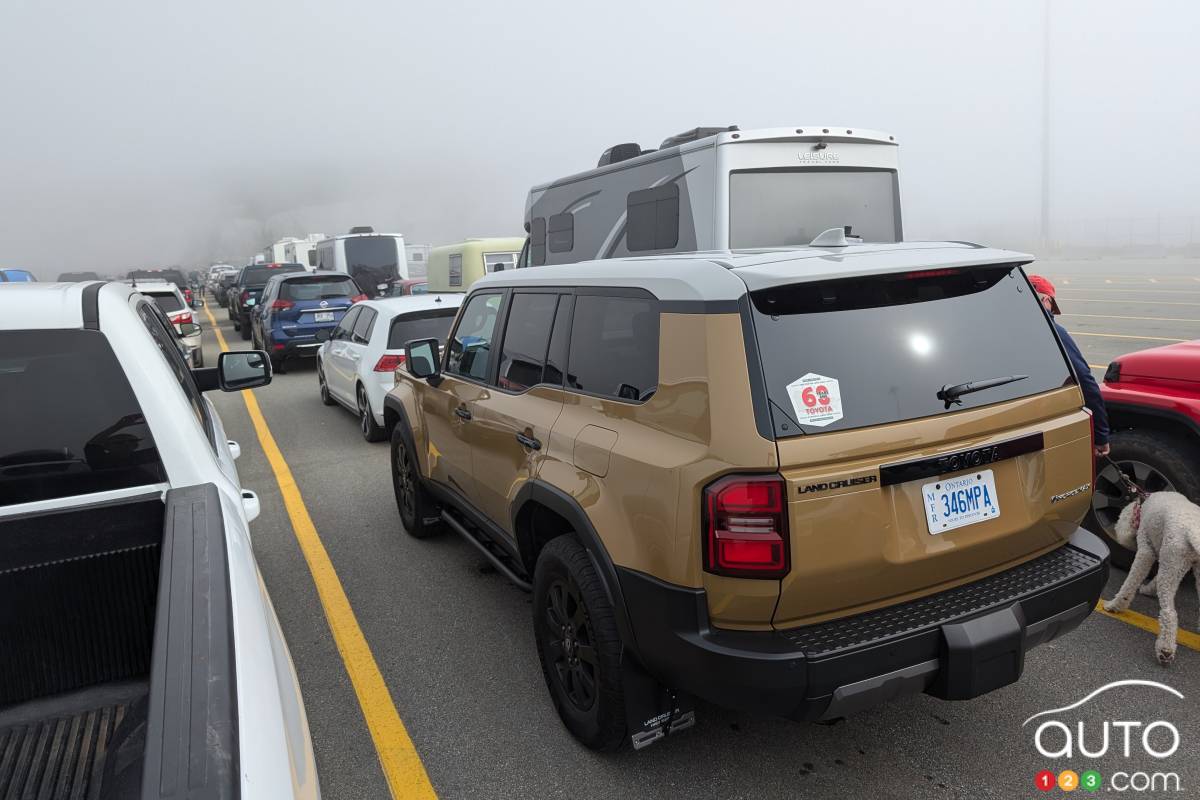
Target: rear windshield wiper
{"type": "Point", "coordinates": [951, 394]}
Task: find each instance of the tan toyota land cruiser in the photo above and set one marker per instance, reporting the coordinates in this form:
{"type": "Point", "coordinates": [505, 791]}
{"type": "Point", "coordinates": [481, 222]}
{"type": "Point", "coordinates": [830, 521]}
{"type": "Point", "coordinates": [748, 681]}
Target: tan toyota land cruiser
{"type": "Point", "coordinates": [797, 482]}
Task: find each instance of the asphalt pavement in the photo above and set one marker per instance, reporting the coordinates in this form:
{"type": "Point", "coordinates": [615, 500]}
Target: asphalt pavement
{"type": "Point", "coordinates": [453, 639]}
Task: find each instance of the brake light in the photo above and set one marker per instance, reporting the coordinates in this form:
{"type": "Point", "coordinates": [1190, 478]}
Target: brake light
{"type": "Point", "coordinates": [929, 273]}
{"type": "Point", "coordinates": [746, 527]}
{"type": "Point", "coordinates": [389, 362]}
{"type": "Point", "coordinates": [282, 305]}
{"type": "Point", "coordinates": [183, 319]}
{"type": "Point", "coordinates": [279, 346]}
{"type": "Point", "coordinates": [245, 296]}
{"type": "Point", "coordinates": [357, 298]}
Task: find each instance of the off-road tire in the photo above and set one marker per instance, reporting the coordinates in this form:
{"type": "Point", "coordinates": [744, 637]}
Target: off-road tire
{"type": "Point", "coordinates": [563, 566]}
{"type": "Point", "coordinates": [419, 513]}
{"type": "Point", "coordinates": [323, 388]}
{"type": "Point", "coordinates": [1176, 460]}
{"type": "Point", "coordinates": [371, 430]}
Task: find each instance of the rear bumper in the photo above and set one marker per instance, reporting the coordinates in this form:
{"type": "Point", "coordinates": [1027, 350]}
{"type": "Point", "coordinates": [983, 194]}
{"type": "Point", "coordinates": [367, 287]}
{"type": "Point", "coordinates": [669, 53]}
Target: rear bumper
{"type": "Point", "coordinates": [956, 645]}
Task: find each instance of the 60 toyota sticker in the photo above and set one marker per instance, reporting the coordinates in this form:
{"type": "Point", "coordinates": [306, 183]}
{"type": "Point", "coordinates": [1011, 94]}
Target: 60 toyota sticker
{"type": "Point", "coordinates": [816, 399]}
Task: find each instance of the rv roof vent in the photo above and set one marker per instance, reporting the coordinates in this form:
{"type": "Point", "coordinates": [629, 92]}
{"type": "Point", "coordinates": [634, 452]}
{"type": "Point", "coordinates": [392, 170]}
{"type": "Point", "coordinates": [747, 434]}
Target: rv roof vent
{"type": "Point", "coordinates": [362, 229]}
{"type": "Point", "coordinates": [693, 135]}
{"type": "Point", "coordinates": [619, 152]}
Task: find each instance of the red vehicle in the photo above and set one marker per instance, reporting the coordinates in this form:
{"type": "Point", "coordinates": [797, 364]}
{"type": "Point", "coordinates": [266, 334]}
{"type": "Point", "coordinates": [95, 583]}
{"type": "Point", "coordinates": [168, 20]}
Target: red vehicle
{"type": "Point", "coordinates": [1153, 401]}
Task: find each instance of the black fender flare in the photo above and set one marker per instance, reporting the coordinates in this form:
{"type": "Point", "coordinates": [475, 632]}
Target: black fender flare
{"type": "Point", "coordinates": [569, 509]}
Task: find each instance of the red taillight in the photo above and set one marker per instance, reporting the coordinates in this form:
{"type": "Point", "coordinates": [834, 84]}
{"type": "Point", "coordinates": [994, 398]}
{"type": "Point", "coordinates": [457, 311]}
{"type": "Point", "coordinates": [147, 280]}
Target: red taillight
{"type": "Point", "coordinates": [358, 298]}
{"type": "Point", "coordinates": [389, 362]}
{"type": "Point", "coordinates": [279, 347]}
{"type": "Point", "coordinates": [282, 305]}
{"type": "Point", "coordinates": [183, 318]}
{"type": "Point", "coordinates": [245, 296]}
{"type": "Point", "coordinates": [187, 294]}
{"type": "Point", "coordinates": [745, 527]}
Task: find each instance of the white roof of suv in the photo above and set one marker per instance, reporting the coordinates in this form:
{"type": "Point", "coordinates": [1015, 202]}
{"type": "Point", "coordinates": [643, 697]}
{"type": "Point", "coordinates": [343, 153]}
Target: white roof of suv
{"type": "Point", "coordinates": [727, 275]}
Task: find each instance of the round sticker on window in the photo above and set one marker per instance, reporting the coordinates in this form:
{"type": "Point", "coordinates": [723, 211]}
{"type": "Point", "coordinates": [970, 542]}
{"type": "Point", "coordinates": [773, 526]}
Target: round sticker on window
{"type": "Point", "coordinates": [816, 399]}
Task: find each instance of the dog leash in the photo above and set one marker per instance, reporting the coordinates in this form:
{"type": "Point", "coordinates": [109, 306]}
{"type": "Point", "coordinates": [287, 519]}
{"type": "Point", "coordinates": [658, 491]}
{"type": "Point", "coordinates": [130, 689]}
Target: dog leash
{"type": "Point", "coordinates": [1131, 488]}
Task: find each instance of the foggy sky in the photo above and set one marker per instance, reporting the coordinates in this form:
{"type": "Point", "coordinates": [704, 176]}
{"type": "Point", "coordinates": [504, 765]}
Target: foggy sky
{"type": "Point", "coordinates": [150, 132]}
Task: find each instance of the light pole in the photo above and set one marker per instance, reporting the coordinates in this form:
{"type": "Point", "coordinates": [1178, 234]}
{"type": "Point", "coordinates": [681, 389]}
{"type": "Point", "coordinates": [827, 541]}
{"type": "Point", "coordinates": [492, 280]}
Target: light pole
{"type": "Point", "coordinates": [1045, 237]}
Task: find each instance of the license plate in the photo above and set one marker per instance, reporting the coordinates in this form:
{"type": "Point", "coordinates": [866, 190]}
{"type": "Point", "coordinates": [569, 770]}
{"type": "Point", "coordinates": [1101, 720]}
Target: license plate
{"type": "Point", "coordinates": [323, 316]}
{"type": "Point", "coordinates": [954, 502]}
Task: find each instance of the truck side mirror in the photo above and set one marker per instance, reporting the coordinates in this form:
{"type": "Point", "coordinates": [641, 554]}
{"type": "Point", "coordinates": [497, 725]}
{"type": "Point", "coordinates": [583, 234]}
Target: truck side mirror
{"type": "Point", "coordinates": [421, 356]}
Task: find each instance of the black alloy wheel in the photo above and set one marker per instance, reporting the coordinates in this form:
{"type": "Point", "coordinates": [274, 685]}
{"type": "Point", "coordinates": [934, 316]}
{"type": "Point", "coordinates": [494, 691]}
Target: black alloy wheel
{"type": "Point", "coordinates": [571, 644]}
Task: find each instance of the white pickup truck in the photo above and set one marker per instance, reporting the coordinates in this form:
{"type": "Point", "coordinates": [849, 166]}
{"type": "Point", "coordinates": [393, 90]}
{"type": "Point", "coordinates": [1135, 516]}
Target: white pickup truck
{"type": "Point", "coordinates": [140, 656]}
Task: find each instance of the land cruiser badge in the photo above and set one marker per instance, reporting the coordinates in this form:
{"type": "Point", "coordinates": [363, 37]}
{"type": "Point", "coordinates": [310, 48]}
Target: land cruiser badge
{"type": "Point", "coordinates": [816, 399]}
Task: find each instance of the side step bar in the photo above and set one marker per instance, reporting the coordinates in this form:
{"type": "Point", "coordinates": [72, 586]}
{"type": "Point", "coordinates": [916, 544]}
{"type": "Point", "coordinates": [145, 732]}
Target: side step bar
{"type": "Point", "coordinates": [497, 561]}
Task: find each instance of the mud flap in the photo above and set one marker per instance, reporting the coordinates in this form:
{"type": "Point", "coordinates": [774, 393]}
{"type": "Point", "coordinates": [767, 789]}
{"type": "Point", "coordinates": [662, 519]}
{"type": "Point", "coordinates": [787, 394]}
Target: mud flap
{"type": "Point", "coordinates": [981, 654]}
{"type": "Point", "coordinates": [652, 711]}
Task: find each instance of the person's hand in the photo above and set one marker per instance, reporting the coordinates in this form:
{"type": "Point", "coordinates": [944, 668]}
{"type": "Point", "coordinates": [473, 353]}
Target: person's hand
{"type": "Point", "coordinates": [1100, 450]}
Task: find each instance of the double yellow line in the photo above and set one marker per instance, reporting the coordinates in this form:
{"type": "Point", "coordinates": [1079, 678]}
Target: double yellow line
{"type": "Point", "coordinates": [402, 767]}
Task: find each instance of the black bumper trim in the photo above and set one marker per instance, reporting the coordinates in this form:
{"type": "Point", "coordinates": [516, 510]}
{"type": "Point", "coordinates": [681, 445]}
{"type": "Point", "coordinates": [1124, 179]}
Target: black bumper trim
{"type": "Point", "coordinates": [975, 636]}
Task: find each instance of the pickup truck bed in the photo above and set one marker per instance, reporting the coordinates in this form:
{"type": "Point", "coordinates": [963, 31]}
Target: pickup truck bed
{"type": "Point", "coordinates": [117, 667]}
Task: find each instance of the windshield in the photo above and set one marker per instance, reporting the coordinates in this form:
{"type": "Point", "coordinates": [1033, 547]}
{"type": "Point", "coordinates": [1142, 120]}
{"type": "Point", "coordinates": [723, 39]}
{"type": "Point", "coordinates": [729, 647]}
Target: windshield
{"type": "Point", "coordinates": [317, 289]}
{"type": "Point", "coordinates": [258, 276]}
{"type": "Point", "coordinates": [372, 260]}
{"type": "Point", "coordinates": [774, 208]}
{"type": "Point", "coordinates": [866, 351]}
{"type": "Point", "coordinates": [167, 302]}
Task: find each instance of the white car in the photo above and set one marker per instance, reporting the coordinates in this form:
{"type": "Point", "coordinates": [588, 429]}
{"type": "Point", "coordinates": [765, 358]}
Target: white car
{"type": "Point", "coordinates": [132, 591]}
{"type": "Point", "coordinates": [358, 359]}
{"type": "Point", "coordinates": [168, 298]}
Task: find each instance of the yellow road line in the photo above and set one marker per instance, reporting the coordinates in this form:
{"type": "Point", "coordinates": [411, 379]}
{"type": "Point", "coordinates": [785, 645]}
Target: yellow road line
{"type": "Point", "coordinates": [1114, 316]}
{"type": "Point", "coordinates": [1127, 336]}
{"type": "Point", "coordinates": [402, 767]}
{"type": "Point", "coordinates": [1186, 638]}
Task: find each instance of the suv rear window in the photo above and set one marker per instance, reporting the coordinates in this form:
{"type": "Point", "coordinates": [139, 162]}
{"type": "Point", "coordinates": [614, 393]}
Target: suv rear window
{"type": "Point", "coordinates": [258, 276]}
{"type": "Point", "coordinates": [892, 342]}
{"type": "Point", "coordinates": [71, 422]}
{"type": "Point", "coordinates": [421, 325]}
{"type": "Point", "coordinates": [169, 303]}
{"type": "Point", "coordinates": [317, 289]}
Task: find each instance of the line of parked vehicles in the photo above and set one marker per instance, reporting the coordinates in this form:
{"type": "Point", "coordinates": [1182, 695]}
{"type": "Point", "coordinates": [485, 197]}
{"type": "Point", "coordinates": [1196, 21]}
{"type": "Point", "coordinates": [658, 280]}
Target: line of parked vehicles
{"type": "Point", "coordinates": [700, 413]}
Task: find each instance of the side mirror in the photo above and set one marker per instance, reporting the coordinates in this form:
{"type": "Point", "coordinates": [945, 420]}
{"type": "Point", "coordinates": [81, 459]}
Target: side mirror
{"type": "Point", "coordinates": [323, 334]}
{"type": "Point", "coordinates": [421, 356]}
{"type": "Point", "coordinates": [188, 329]}
{"type": "Point", "coordinates": [243, 369]}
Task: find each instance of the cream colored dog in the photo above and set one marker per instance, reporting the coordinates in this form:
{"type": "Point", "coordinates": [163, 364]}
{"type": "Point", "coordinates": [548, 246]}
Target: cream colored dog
{"type": "Point", "coordinates": [1166, 528]}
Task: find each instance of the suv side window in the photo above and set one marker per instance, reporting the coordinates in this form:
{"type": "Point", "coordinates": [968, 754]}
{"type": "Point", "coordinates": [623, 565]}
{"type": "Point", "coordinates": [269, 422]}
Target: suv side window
{"type": "Point", "coordinates": [469, 353]}
{"type": "Point", "coordinates": [342, 331]}
{"type": "Point", "coordinates": [362, 328]}
{"type": "Point", "coordinates": [614, 347]}
{"type": "Point", "coordinates": [560, 341]}
{"type": "Point", "coordinates": [526, 338]}
{"type": "Point", "coordinates": [163, 334]}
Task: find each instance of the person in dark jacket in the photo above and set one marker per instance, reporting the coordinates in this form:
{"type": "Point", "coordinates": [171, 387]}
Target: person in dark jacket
{"type": "Point", "coordinates": [1091, 389]}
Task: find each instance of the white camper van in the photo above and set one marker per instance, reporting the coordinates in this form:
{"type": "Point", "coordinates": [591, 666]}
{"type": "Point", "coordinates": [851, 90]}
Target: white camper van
{"type": "Point", "coordinates": [375, 260]}
{"type": "Point", "coordinates": [303, 251]}
{"type": "Point", "coordinates": [274, 252]}
{"type": "Point", "coordinates": [719, 189]}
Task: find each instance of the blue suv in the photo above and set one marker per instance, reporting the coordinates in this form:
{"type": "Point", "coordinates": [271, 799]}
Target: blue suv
{"type": "Point", "coordinates": [294, 306]}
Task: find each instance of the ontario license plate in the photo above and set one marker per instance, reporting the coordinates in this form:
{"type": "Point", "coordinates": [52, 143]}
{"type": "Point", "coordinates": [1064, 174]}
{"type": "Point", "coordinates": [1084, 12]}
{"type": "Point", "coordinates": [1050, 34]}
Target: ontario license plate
{"type": "Point", "coordinates": [954, 502]}
{"type": "Point", "coordinates": [323, 316]}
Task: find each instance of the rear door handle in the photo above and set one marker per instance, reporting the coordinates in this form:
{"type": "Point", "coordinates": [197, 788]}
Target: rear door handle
{"type": "Point", "coordinates": [463, 412]}
{"type": "Point", "coordinates": [529, 441]}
